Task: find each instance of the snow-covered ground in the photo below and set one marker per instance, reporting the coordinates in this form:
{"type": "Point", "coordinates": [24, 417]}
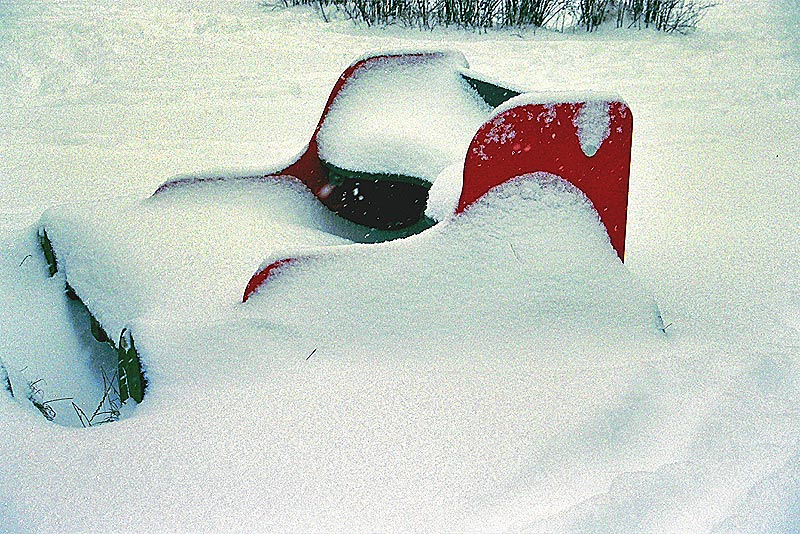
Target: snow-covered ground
{"type": "Point", "coordinates": [541, 424]}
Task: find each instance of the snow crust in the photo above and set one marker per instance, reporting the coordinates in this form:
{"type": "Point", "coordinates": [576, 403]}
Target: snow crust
{"type": "Point", "coordinates": [406, 116]}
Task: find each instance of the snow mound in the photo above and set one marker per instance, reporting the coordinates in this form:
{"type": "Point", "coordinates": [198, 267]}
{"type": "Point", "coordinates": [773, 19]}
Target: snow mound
{"type": "Point", "coordinates": [185, 253]}
{"type": "Point", "coordinates": [403, 115]}
{"type": "Point", "coordinates": [69, 363]}
{"type": "Point", "coordinates": [531, 255]}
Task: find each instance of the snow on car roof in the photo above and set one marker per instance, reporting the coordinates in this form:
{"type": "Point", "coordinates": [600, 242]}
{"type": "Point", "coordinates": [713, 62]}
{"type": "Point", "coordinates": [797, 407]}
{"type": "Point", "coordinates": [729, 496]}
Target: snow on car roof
{"type": "Point", "coordinates": [403, 115]}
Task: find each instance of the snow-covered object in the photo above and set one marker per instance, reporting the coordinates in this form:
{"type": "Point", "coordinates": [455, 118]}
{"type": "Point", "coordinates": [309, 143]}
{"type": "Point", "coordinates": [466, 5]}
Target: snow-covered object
{"type": "Point", "coordinates": [185, 252]}
{"type": "Point", "coordinates": [444, 193]}
{"type": "Point", "coordinates": [533, 138]}
{"type": "Point", "coordinates": [697, 432]}
{"type": "Point", "coordinates": [413, 115]}
{"type": "Point", "coordinates": [116, 258]}
{"type": "Point", "coordinates": [530, 250]}
{"type": "Point", "coordinates": [586, 141]}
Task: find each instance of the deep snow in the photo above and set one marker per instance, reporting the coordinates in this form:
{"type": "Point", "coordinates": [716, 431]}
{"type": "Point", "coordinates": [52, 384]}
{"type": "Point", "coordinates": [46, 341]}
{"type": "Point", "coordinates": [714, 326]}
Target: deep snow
{"type": "Point", "coordinates": [604, 429]}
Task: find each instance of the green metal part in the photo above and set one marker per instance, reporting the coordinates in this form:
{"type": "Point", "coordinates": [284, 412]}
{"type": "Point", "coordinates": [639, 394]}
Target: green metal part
{"type": "Point", "coordinates": [5, 381]}
{"type": "Point", "coordinates": [70, 292]}
{"type": "Point", "coordinates": [381, 206]}
{"type": "Point", "coordinates": [492, 94]}
{"type": "Point", "coordinates": [97, 330]}
{"type": "Point", "coordinates": [376, 235]}
{"type": "Point", "coordinates": [337, 176]}
{"type": "Point", "coordinates": [49, 253]}
{"type": "Point", "coordinates": [131, 380]}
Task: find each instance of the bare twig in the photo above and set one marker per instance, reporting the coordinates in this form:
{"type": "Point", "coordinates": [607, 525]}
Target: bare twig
{"type": "Point", "coordinates": [81, 416]}
{"type": "Point", "coordinates": [36, 396]}
{"type": "Point", "coordinates": [665, 15]}
{"type": "Point", "coordinates": [107, 410]}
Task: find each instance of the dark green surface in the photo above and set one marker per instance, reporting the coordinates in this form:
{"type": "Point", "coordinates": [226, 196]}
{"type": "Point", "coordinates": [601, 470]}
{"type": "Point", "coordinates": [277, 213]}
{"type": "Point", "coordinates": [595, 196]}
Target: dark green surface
{"type": "Point", "coordinates": [5, 381]}
{"type": "Point", "coordinates": [385, 206]}
{"type": "Point", "coordinates": [49, 254]}
{"type": "Point", "coordinates": [337, 176]}
{"type": "Point", "coordinates": [131, 380]}
{"type": "Point", "coordinates": [375, 235]}
{"type": "Point", "coordinates": [492, 94]}
{"type": "Point", "coordinates": [97, 330]}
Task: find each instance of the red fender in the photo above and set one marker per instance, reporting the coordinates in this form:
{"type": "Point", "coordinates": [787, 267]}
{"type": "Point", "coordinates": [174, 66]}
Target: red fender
{"type": "Point", "coordinates": [261, 276]}
{"type": "Point", "coordinates": [544, 137]}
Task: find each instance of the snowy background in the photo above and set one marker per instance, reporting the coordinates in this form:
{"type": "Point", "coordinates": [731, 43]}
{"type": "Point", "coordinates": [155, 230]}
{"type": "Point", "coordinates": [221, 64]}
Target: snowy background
{"type": "Point", "coordinates": [540, 430]}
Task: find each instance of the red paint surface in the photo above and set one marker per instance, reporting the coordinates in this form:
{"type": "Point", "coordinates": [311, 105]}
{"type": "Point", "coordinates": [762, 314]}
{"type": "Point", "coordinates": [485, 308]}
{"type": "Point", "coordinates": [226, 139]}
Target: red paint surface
{"type": "Point", "coordinates": [261, 276]}
{"type": "Point", "coordinates": [536, 137]}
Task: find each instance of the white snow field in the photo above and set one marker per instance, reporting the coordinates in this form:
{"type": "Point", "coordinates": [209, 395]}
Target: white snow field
{"type": "Point", "coordinates": [498, 372]}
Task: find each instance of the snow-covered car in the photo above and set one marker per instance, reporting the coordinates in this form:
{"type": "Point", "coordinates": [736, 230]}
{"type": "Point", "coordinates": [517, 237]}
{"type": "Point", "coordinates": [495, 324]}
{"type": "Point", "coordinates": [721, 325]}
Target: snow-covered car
{"type": "Point", "coordinates": [450, 196]}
